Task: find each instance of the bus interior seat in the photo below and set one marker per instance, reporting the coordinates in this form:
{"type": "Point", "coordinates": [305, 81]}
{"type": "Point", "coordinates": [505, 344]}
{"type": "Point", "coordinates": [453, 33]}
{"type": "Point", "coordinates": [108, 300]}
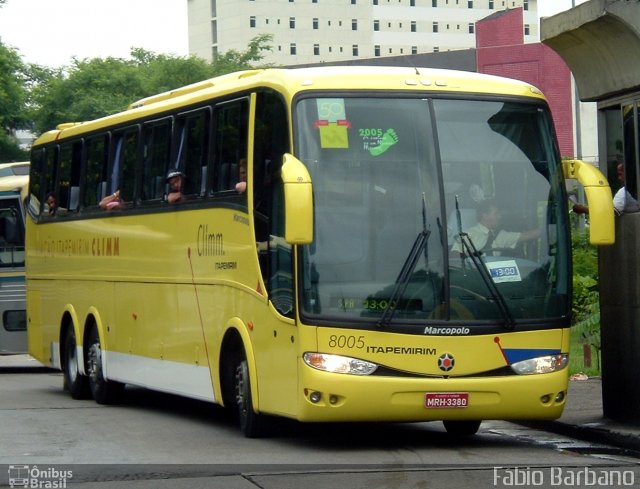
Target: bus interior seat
{"type": "Point", "coordinates": [203, 180]}
{"type": "Point", "coordinates": [228, 176]}
{"type": "Point", "coordinates": [101, 190]}
{"type": "Point", "coordinates": [9, 229]}
{"type": "Point", "coordinates": [74, 198]}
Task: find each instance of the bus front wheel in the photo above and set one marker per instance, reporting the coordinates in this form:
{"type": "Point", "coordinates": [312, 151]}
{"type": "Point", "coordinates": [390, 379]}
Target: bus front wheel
{"type": "Point", "coordinates": [104, 391]}
{"type": "Point", "coordinates": [251, 423]}
{"type": "Point", "coordinates": [76, 383]}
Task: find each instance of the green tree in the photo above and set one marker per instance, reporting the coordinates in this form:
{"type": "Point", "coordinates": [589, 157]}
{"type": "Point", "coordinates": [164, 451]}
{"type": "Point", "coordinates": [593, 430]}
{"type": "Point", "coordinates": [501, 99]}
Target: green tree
{"type": "Point", "coordinates": [96, 87]}
{"type": "Point", "coordinates": [13, 100]}
{"type": "Point", "coordinates": [233, 60]}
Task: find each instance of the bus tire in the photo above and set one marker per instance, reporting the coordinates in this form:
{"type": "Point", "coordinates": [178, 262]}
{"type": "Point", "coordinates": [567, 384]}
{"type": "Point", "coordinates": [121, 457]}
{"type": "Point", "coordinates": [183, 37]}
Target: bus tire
{"type": "Point", "coordinates": [104, 391]}
{"type": "Point", "coordinates": [462, 428]}
{"type": "Point", "coordinates": [76, 383]}
{"type": "Point", "coordinates": [251, 423]}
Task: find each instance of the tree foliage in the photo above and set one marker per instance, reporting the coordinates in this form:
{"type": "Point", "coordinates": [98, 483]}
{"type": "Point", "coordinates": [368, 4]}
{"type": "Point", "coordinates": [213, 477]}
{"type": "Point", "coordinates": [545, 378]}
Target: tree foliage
{"type": "Point", "coordinates": [96, 87]}
{"type": "Point", "coordinates": [13, 102]}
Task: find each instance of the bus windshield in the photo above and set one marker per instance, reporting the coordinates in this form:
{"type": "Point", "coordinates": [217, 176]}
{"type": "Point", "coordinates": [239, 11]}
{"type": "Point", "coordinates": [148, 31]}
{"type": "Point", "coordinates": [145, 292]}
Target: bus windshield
{"type": "Point", "coordinates": [433, 210]}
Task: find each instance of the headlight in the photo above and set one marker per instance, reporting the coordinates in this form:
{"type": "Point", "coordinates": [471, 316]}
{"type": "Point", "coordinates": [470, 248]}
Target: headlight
{"type": "Point", "coordinates": [338, 364]}
{"type": "Point", "coordinates": [541, 365]}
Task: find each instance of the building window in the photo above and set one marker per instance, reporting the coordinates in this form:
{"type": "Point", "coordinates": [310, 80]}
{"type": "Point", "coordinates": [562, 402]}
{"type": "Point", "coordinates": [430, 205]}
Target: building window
{"type": "Point", "coordinates": [354, 24]}
{"type": "Point", "coordinates": [414, 26]}
{"type": "Point", "coordinates": [353, 2]}
{"type": "Point", "coordinates": [470, 3]}
{"type": "Point", "coordinates": [436, 49]}
{"type": "Point", "coordinates": [354, 49]}
{"type": "Point", "coordinates": [214, 6]}
{"type": "Point", "coordinates": [214, 32]}
{"type": "Point", "coordinates": [414, 49]}
{"type": "Point", "coordinates": [316, 23]}
{"type": "Point", "coordinates": [435, 27]}
{"type": "Point", "coordinates": [525, 5]}
{"type": "Point", "coordinates": [292, 49]}
{"type": "Point", "coordinates": [434, 3]}
{"type": "Point", "coordinates": [375, 2]}
{"type": "Point", "coordinates": [491, 4]}
{"type": "Point", "coordinates": [252, 21]}
{"type": "Point", "coordinates": [316, 49]}
{"type": "Point", "coordinates": [412, 3]}
{"type": "Point", "coordinates": [527, 30]}
{"type": "Point", "coordinates": [472, 27]}
{"type": "Point", "coordinates": [376, 25]}
{"type": "Point", "coordinates": [376, 50]}
{"type": "Point", "coordinates": [292, 22]}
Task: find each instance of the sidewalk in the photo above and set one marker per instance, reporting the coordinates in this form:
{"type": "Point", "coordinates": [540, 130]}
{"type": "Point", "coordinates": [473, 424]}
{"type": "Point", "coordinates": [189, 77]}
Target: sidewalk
{"type": "Point", "coordinates": [582, 417]}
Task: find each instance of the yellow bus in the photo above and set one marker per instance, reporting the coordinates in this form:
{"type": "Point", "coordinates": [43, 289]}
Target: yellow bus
{"type": "Point", "coordinates": [14, 185]}
{"type": "Point", "coordinates": [342, 281]}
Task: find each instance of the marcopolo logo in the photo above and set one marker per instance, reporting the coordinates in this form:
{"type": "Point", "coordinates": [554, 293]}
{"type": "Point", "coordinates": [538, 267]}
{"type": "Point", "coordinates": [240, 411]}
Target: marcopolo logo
{"type": "Point", "coordinates": [34, 477]}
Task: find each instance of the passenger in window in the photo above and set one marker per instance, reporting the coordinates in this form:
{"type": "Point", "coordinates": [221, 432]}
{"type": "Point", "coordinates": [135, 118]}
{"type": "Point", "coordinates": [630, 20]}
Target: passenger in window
{"type": "Point", "coordinates": [623, 201]}
{"type": "Point", "coordinates": [52, 204]}
{"type": "Point", "coordinates": [241, 186]}
{"type": "Point", "coordinates": [111, 202]}
{"type": "Point", "coordinates": [175, 179]}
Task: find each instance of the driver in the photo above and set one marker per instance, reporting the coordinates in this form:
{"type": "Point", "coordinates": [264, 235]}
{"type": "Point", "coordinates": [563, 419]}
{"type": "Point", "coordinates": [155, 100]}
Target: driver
{"type": "Point", "coordinates": [487, 236]}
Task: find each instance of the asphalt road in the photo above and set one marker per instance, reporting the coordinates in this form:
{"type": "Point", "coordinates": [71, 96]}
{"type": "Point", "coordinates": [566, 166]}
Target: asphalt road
{"type": "Point", "coordinates": [162, 441]}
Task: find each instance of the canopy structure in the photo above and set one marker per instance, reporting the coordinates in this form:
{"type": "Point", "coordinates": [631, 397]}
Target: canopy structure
{"type": "Point", "coordinates": [600, 41]}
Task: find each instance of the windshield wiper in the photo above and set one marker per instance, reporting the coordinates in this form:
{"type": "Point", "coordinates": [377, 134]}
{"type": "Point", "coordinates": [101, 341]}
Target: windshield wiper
{"type": "Point", "coordinates": [469, 250]}
{"type": "Point", "coordinates": [409, 265]}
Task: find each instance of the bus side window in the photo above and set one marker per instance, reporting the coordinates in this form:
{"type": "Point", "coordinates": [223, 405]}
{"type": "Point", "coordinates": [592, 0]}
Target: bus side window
{"type": "Point", "coordinates": [124, 154]}
{"type": "Point", "coordinates": [95, 182]}
{"type": "Point", "coordinates": [230, 143]}
{"type": "Point", "coordinates": [157, 140]}
{"type": "Point", "coordinates": [190, 149]}
{"type": "Point", "coordinates": [36, 196]}
{"type": "Point", "coordinates": [69, 176]}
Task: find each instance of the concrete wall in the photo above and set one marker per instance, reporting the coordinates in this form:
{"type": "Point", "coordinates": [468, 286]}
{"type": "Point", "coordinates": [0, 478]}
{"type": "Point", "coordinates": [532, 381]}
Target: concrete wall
{"type": "Point", "coordinates": [620, 320]}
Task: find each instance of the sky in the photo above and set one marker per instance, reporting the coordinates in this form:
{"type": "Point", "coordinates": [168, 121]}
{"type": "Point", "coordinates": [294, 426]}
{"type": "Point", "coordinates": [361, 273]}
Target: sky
{"type": "Point", "coordinates": [53, 32]}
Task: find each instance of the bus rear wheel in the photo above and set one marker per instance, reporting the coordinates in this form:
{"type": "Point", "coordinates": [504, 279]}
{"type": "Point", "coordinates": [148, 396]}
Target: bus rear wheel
{"type": "Point", "coordinates": [462, 428]}
{"type": "Point", "coordinates": [76, 383]}
{"type": "Point", "coordinates": [251, 423]}
{"type": "Point", "coordinates": [104, 391]}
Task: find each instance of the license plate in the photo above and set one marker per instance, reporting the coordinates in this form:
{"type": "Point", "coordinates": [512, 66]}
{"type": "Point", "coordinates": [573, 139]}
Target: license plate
{"type": "Point", "coordinates": [443, 400]}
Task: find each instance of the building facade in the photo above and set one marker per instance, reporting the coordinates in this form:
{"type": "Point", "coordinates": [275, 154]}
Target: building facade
{"type": "Point", "coordinates": [317, 31]}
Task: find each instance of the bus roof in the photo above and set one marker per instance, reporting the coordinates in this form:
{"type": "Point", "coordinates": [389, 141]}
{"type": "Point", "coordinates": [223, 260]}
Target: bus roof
{"type": "Point", "coordinates": [13, 178]}
{"type": "Point", "coordinates": [294, 80]}
{"type": "Point", "coordinates": [12, 169]}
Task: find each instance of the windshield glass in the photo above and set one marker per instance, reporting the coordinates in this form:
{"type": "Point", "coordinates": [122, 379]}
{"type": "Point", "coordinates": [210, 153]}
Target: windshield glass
{"type": "Point", "coordinates": [420, 222]}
